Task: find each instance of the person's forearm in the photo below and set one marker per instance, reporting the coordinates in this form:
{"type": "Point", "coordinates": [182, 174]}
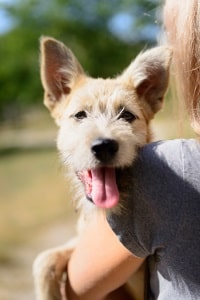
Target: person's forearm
{"type": "Point", "coordinates": [119, 294]}
{"type": "Point", "coordinates": [91, 278]}
{"type": "Point", "coordinates": [99, 265]}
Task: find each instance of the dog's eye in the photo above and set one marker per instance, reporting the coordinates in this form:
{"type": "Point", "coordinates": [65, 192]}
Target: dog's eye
{"type": "Point", "coordinates": [127, 116]}
{"type": "Point", "coordinates": [80, 115]}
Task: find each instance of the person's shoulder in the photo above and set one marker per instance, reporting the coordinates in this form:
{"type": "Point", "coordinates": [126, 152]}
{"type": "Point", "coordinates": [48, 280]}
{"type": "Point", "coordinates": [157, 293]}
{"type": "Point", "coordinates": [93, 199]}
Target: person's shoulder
{"type": "Point", "coordinates": [168, 155]}
{"type": "Point", "coordinates": [162, 147]}
{"type": "Point", "coordinates": [170, 149]}
{"type": "Point", "coordinates": [191, 146]}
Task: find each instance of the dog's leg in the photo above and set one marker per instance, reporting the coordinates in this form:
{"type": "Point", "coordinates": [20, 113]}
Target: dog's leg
{"type": "Point", "coordinates": [49, 271]}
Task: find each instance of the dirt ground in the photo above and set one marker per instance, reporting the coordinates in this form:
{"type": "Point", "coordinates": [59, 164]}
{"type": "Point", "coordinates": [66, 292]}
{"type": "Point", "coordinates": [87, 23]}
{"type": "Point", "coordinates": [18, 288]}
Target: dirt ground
{"type": "Point", "coordinates": [16, 281]}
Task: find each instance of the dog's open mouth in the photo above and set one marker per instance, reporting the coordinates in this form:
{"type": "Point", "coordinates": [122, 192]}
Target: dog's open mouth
{"type": "Point", "coordinates": [100, 186]}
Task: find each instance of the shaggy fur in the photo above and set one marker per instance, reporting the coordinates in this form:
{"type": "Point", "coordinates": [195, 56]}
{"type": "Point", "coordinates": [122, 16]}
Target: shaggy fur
{"type": "Point", "coordinates": [102, 124]}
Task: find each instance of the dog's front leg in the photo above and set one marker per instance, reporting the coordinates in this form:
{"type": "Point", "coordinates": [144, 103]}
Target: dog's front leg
{"type": "Point", "coordinates": [49, 270]}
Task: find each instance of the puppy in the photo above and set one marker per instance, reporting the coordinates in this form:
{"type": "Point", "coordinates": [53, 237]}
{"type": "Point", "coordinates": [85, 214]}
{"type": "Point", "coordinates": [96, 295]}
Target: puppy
{"type": "Point", "coordinates": [102, 124]}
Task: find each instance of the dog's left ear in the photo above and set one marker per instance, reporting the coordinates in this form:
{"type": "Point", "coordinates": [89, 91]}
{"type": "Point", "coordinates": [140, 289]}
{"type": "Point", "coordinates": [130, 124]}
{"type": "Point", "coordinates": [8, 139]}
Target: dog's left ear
{"type": "Point", "coordinates": [148, 74]}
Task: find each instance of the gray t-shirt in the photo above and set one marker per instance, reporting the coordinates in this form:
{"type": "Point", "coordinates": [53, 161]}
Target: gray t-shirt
{"type": "Point", "coordinates": [161, 217]}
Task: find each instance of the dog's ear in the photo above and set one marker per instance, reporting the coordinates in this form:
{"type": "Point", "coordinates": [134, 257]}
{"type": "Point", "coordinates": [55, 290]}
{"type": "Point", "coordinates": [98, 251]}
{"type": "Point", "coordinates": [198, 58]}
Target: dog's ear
{"type": "Point", "coordinates": [60, 70]}
{"type": "Point", "coordinates": [149, 76]}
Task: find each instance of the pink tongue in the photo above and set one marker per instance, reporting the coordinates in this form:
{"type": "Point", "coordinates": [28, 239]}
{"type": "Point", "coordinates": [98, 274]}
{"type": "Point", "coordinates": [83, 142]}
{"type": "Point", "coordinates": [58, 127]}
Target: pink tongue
{"type": "Point", "coordinates": [105, 192]}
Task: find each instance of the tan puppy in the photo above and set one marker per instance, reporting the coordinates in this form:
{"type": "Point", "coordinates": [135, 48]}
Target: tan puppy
{"type": "Point", "coordinates": [102, 124]}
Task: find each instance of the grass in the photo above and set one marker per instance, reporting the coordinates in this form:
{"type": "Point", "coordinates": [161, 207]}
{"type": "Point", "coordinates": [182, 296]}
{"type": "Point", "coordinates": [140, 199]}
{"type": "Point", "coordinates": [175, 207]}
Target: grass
{"type": "Point", "coordinates": [171, 128]}
{"type": "Point", "coordinates": [33, 193]}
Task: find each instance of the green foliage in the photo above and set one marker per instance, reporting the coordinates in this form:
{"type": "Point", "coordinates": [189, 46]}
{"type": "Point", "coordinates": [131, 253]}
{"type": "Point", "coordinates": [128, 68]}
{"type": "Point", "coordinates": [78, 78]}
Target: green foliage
{"type": "Point", "coordinates": [83, 25]}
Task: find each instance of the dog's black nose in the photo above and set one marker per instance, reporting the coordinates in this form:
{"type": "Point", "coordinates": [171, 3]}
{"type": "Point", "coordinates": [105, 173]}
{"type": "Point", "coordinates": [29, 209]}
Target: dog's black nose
{"type": "Point", "coordinates": [104, 149]}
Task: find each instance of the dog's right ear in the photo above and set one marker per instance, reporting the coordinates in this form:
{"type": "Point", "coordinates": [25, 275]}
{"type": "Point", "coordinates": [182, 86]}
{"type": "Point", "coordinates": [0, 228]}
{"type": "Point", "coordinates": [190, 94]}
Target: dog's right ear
{"type": "Point", "coordinates": [60, 70]}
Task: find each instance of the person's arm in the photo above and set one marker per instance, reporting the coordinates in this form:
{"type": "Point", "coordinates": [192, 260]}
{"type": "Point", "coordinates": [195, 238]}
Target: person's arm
{"type": "Point", "coordinates": [99, 265]}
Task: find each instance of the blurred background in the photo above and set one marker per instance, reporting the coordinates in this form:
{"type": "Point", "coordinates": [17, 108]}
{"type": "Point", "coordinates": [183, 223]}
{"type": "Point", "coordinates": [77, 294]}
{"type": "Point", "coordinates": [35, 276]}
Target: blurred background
{"type": "Point", "coordinates": [35, 207]}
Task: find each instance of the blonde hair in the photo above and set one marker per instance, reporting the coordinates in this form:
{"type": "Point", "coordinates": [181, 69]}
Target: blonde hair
{"type": "Point", "coordinates": [182, 25]}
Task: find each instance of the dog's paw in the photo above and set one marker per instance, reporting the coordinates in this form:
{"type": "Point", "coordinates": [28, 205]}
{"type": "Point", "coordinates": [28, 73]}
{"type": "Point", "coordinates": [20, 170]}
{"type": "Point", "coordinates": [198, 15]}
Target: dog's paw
{"type": "Point", "coordinates": [49, 271]}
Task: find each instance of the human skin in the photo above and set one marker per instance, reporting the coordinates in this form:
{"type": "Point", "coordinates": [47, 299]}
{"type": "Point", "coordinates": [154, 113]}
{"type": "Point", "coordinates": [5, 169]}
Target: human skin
{"type": "Point", "coordinates": [99, 265]}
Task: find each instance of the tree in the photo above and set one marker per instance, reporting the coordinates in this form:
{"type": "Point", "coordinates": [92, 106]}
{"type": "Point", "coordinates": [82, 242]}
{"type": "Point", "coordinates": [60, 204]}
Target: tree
{"type": "Point", "coordinates": [89, 28]}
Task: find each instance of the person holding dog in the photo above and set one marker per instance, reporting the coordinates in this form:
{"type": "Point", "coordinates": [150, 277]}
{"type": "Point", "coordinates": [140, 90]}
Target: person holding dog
{"type": "Point", "coordinates": [160, 222]}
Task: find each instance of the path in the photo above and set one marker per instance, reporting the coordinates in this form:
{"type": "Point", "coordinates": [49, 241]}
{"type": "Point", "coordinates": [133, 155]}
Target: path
{"type": "Point", "coordinates": [16, 282]}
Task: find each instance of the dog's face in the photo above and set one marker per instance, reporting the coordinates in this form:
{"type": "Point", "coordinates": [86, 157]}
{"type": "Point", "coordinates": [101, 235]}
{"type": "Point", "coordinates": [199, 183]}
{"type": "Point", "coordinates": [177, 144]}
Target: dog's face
{"type": "Point", "coordinates": [102, 121]}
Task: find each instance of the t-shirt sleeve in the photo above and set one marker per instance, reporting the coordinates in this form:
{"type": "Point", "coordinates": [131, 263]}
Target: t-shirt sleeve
{"type": "Point", "coordinates": [151, 211]}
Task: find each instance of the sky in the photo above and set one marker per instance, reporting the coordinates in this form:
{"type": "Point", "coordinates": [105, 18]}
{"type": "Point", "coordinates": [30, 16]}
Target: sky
{"type": "Point", "coordinates": [121, 25]}
{"type": "Point", "coordinates": [5, 21]}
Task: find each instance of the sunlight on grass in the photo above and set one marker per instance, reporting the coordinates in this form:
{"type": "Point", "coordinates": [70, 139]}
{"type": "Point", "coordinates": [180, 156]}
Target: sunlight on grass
{"type": "Point", "coordinates": [165, 128]}
{"type": "Point", "coordinates": [33, 193]}
{"type": "Point", "coordinates": [172, 121]}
